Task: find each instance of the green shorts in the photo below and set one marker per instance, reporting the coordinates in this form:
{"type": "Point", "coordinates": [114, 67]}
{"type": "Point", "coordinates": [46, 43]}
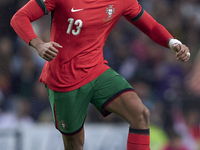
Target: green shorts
{"type": "Point", "coordinates": [70, 108]}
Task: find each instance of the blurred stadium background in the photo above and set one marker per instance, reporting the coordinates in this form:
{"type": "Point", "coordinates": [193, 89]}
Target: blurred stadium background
{"type": "Point", "coordinates": [163, 83]}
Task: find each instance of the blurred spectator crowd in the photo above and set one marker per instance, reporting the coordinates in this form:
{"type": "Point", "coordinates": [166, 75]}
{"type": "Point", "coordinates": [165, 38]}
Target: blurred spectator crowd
{"type": "Point", "coordinates": [167, 87]}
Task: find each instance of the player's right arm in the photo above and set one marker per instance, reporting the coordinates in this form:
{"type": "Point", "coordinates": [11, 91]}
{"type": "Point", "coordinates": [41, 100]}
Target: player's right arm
{"type": "Point", "coordinates": [45, 50]}
{"type": "Point", "coordinates": [21, 23]}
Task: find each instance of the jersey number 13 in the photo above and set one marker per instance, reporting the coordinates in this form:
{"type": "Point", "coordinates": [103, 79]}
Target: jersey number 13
{"type": "Point", "coordinates": [78, 23]}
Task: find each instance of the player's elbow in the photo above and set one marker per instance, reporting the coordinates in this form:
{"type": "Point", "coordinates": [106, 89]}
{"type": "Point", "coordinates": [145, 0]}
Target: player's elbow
{"type": "Point", "coordinates": [17, 18]}
{"type": "Point", "coordinates": [14, 20]}
{"type": "Point", "coordinates": [151, 31]}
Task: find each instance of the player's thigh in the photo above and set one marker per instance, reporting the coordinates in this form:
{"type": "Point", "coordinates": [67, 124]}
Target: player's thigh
{"type": "Point", "coordinates": [112, 93]}
{"type": "Point", "coordinates": [130, 107]}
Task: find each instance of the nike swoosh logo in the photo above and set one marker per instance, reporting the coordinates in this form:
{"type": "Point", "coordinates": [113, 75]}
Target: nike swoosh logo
{"type": "Point", "coordinates": [75, 10]}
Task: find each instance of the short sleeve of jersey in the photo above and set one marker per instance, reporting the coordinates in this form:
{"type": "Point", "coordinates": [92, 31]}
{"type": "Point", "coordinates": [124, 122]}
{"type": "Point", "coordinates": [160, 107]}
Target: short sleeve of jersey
{"type": "Point", "coordinates": [47, 5]}
{"type": "Point", "coordinates": [132, 10]}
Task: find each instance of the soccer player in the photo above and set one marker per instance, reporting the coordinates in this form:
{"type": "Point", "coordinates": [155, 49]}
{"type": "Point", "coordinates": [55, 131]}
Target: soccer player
{"type": "Point", "coordinates": [76, 74]}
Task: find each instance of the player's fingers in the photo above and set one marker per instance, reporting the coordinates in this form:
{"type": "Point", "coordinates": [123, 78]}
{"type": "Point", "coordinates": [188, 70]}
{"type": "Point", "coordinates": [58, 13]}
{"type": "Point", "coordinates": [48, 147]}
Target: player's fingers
{"type": "Point", "coordinates": [184, 54]}
{"type": "Point", "coordinates": [49, 57]}
{"type": "Point", "coordinates": [53, 49]}
{"type": "Point", "coordinates": [181, 50]}
{"type": "Point", "coordinates": [56, 44]}
{"type": "Point", "coordinates": [181, 55]}
{"type": "Point", "coordinates": [52, 53]}
{"type": "Point", "coordinates": [184, 57]}
{"type": "Point", "coordinates": [46, 58]}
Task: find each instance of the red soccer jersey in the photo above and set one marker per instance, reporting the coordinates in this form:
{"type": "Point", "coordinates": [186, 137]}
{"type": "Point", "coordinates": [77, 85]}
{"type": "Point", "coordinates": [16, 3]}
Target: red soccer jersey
{"type": "Point", "coordinates": [81, 27]}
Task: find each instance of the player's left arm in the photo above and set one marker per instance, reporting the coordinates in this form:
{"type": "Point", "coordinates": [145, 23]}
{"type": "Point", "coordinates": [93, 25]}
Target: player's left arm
{"type": "Point", "coordinates": [160, 35]}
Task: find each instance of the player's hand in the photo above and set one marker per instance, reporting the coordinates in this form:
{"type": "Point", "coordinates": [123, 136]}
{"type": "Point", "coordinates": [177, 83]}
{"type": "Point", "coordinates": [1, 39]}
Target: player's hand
{"type": "Point", "coordinates": [182, 52]}
{"type": "Point", "coordinates": [48, 50]}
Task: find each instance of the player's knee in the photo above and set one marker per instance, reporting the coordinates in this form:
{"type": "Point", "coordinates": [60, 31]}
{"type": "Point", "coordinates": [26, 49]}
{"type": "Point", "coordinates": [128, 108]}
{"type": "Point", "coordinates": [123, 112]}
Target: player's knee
{"type": "Point", "coordinates": [140, 119]}
{"type": "Point", "coordinates": [146, 115]}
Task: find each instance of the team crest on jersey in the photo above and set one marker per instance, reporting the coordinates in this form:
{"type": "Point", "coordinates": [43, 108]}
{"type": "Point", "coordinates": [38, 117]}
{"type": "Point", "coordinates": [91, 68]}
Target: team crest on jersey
{"type": "Point", "coordinates": [110, 11]}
